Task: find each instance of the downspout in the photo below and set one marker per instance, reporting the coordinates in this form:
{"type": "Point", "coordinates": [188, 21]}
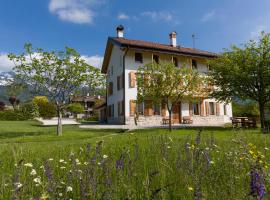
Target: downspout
{"type": "Point", "coordinates": [124, 83]}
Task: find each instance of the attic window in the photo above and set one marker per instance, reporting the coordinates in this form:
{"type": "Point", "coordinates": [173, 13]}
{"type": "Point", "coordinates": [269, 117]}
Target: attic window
{"type": "Point", "coordinates": [156, 58]}
{"type": "Point", "coordinates": [138, 57]}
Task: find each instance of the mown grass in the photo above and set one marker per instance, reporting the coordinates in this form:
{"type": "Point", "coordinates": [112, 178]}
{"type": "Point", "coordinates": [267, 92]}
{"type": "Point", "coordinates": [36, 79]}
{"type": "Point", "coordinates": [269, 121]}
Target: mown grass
{"type": "Point", "coordinates": [142, 164]}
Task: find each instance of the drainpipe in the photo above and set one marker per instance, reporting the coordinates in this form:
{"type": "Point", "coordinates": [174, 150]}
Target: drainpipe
{"type": "Point", "coordinates": [124, 83]}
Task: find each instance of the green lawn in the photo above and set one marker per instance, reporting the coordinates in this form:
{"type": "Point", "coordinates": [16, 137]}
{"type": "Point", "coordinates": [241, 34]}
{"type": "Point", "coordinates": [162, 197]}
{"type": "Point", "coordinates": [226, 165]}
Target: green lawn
{"type": "Point", "coordinates": [142, 164]}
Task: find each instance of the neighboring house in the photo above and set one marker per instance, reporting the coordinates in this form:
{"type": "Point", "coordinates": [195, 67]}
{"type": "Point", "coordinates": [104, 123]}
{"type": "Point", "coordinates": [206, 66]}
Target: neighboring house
{"type": "Point", "coordinates": [89, 104]}
{"type": "Point", "coordinates": [121, 61]}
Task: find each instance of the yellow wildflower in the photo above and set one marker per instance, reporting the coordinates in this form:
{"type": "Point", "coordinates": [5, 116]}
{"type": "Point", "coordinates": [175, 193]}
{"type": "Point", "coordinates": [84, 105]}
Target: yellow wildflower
{"type": "Point", "coordinates": [190, 188]}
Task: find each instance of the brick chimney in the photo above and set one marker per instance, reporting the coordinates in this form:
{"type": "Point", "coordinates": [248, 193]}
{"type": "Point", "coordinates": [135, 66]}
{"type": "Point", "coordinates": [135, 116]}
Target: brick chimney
{"type": "Point", "coordinates": [173, 39]}
{"type": "Point", "coordinates": [120, 31]}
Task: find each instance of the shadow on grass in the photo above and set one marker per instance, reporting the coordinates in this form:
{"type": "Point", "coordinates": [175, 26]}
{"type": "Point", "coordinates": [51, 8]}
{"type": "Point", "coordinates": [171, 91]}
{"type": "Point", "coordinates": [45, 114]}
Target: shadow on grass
{"type": "Point", "coordinates": [7, 135]}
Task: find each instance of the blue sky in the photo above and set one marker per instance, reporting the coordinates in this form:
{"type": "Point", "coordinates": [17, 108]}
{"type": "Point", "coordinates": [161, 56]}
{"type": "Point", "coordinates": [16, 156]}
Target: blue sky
{"type": "Point", "coordinates": [86, 24]}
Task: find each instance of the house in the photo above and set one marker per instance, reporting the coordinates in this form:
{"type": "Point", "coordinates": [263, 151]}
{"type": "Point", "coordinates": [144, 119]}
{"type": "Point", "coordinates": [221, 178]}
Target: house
{"type": "Point", "coordinates": [89, 103]}
{"type": "Point", "coordinates": [121, 60]}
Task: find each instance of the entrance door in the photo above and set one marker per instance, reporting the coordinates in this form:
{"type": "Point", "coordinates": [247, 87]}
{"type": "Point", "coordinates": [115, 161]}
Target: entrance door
{"type": "Point", "coordinates": [176, 116]}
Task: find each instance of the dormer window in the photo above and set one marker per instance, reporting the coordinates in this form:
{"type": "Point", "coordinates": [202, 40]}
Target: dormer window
{"type": "Point", "coordinates": [156, 58]}
{"type": "Point", "coordinates": [194, 64]}
{"type": "Point", "coordinates": [138, 58]}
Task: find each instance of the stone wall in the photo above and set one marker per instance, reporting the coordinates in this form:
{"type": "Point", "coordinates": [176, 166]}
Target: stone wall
{"type": "Point", "coordinates": [145, 121]}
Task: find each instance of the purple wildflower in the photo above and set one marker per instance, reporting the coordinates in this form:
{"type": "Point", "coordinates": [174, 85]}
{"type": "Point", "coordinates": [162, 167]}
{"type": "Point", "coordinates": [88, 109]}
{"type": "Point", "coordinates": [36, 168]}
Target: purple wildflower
{"type": "Point", "coordinates": [257, 189]}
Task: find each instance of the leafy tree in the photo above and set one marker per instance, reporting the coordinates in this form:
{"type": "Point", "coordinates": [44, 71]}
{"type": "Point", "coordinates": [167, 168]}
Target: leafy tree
{"type": "Point", "coordinates": [75, 108]}
{"type": "Point", "coordinates": [249, 109]}
{"type": "Point", "coordinates": [53, 74]}
{"type": "Point", "coordinates": [165, 83]}
{"type": "Point", "coordinates": [14, 101]}
{"type": "Point", "coordinates": [30, 110]}
{"type": "Point", "coordinates": [96, 82]}
{"type": "Point", "coordinates": [46, 109]}
{"type": "Point", "coordinates": [244, 73]}
{"type": "Point", "coordinates": [2, 105]}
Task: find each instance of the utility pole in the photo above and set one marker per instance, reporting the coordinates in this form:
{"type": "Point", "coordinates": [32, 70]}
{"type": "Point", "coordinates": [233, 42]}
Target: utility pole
{"type": "Point", "coordinates": [193, 40]}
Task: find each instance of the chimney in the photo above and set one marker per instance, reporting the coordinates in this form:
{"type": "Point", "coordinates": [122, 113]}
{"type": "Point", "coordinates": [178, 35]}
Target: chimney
{"type": "Point", "coordinates": [120, 31]}
{"type": "Point", "coordinates": [173, 39]}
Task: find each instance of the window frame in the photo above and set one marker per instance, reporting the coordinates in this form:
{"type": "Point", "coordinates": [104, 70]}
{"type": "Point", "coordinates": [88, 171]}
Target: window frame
{"type": "Point", "coordinates": [214, 112]}
{"type": "Point", "coordinates": [194, 64]}
{"type": "Point", "coordinates": [141, 57]}
{"type": "Point", "coordinates": [175, 61]}
{"type": "Point", "coordinates": [196, 108]}
{"type": "Point", "coordinates": [156, 58]}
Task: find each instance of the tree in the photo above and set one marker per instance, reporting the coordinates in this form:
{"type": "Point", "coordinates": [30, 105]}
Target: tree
{"type": "Point", "coordinates": [75, 108]}
{"type": "Point", "coordinates": [14, 101]}
{"type": "Point", "coordinates": [53, 74]}
{"type": "Point", "coordinates": [244, 73]}
{"type": "Point", "coordinates": [96, 82]}
{"type": "Point", "coordinates": [47, 110]}
{"type": "Point", "coordinates": [2, 105]}
{"type": "Point", "coordinates": [165, 83]}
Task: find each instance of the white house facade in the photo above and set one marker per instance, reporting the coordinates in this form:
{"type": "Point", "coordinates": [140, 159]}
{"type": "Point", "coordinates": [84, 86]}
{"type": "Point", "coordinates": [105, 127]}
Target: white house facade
{"type": "Point", "coordinates": [122, 59]}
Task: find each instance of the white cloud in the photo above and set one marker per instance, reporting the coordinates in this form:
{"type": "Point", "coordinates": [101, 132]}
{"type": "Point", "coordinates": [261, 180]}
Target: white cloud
{"type": "Point", "coordinates": [208, 16]}
{"type": "Point", "coordinates": [5, 63]}
{"type": "Point", "coordinates": [95, 60]}
{"type": "Point", "coordinates": [75, 11]}
{"type": "Point", "coordinates": [158, 15]}
{"type": "Point", "coordinates": [123, 16]}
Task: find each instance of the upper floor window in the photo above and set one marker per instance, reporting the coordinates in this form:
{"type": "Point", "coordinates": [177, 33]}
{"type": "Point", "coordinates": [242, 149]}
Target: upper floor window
{"type": "Point", "coordinates": [194, 64]}
{"type": "Point", "coordinates": [156, 58]}
{"type": "Point", "coordinates": [110, 89]}
{"type": "Point", "coordinates": [112, 70]}
{"type": "Point", "coordinates": [175, 61]}
{"type": "Point", "coordinates": [139, 57]}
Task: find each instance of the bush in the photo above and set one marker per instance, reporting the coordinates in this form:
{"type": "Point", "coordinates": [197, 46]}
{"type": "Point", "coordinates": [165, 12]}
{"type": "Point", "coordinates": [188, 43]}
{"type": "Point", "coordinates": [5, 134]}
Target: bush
{"type": "Point", "coordinates": [75, 108]}
{"type": "Point", "coordinates": [46, 109]}
{"type": "Point", "coordinates": [30, 110]}
{"type": "Point", "coordinates": [2, 105]}
{"type": "Point", "coordinates": [12, 115]}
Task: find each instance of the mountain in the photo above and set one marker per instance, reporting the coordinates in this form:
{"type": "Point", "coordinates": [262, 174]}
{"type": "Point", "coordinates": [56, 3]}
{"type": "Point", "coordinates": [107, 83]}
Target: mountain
{"type": "Point", "coordinates": [6, 78]}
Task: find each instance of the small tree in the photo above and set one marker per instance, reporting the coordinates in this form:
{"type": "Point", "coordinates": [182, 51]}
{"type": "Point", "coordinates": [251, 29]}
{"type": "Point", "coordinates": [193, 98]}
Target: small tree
{"type": "Point", "coordinates": [165, 83]}
{"type": "Point", "coordinates": [75, 108]}
{"type": "Point", "coordinates": [47, 110]}
{"type": "Point", "coordinates": [244, 73]}
{"type": "Point", "coordinates": [53, 74]}
{"type": "Point", "coordinates": [14, 101]}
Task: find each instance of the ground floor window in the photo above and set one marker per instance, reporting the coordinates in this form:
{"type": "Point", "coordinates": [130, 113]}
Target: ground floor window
{"type": "Point", "coordinates": [156, 109]}
{"type": "Point", "coordinates": [140, 108]}
{"type": "Point", "coordinates": [211, 108]}
{"type": "Point", "coordinates": [111, 110]}
{"type": "Point", "coordinates": [225, 109]}
{"type": "Point", "coordinates": [196, 108]}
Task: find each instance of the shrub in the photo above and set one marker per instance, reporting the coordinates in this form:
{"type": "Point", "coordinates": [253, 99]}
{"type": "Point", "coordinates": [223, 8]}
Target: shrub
{"type": "Point", "coordinates": [14, 101]}
{"type": "Point", "coordinates": [46, 109]}
{"type": "Point", "coordinates": [2, 105]}
{"type": "Point", "coordinates": [75, 108]}
{"type": "Point", "coordinates": [12, 115]}
{"type": "Point", "coordinates": [30, 110]}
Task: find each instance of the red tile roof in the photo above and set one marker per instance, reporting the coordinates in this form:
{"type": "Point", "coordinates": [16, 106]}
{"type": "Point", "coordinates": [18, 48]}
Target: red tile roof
{"type": "Point", "coordinates": [162, 47]}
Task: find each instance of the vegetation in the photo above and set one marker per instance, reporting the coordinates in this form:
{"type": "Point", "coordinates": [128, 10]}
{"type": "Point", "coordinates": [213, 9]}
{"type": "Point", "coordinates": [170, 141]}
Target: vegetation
{"type": "Point", "coordinates": [244, 73]}
{"type": "Point", "coordinates": [2, 105]}
{"type": "Point", "coordinates": [106, 164]}
{"type": "Point", "coordinates": [46, 109]}
{"type": "Point", "coordinates": [14, 101]}
{"type": "Point", "coordinates": [54, 74]}
{"type": "Point", "coordinates": [249, 109]}
{"type": "Point", "coordinates": [75, 108]}
{"type": "Point", "coordinates": [165, 83]}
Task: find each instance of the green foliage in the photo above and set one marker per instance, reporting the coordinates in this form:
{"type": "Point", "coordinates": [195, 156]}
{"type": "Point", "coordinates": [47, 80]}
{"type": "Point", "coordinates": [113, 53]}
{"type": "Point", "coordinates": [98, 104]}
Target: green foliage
{"type": "Point", "coordinates": [244, 73]}
{"type": "Point", "coordinates": [46, 109]}
{"type": "Point", "coordinates": [30, 110]}
{"type": "Point", "coordinates": [2, 105]}
{"type": "Point", "coordinates": [75, 108]}
{"type": "Point", "coordinates": [249, 109]}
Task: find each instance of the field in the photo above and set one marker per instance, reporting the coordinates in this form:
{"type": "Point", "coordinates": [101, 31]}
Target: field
{"type": "Point", "coordinates": [212, 163]}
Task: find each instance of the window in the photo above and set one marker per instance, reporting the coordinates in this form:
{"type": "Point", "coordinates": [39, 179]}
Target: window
{"type": "Point", "coordinates": [211, 108]}
{"type": "Point", "coordinates": [140, 109]}
{"type": "Point", "coordinates": [138, 58]}
{"type": "Point", "coordinates": [156, 58]}
{"type": "Point", "coordinates": [225, 109]}
{"type": "Point", "coordinates": [156, 109]}
{"type": "Point", "coordinates": [194, 64]}
{"type": "Point", "coordinates": [120, 108]}
{"type": "Point", "coordinates": [196, 109]}
{"type": "Point", "coordinates": [110, 89]}
{"type": "Point", "coordinates": [111, 110]}
{"type": "Point", "coordinates": [120, 82]}
{"type": "Point", "coordinates": [175, 61]}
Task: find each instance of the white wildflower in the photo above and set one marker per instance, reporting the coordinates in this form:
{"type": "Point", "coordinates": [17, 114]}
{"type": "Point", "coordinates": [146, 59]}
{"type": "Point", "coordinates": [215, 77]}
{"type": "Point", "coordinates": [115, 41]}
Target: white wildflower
{"type": "Point", "coordinates": [37, 180]}
{"type": "Point", "coordinates": [61, 160]}
{"type": "Point", "coordinates": [105, 156]}
{"type": "Point", "coordinates": [33, 172]}
{"type": "Point", "coordinates": [62, 167]}
{"type": "Point", "coordinates": [28, 165]}
{"type": "Point", "coordinates": [99, 163]}
{"type": "Point", "coordinates": [60, 194]}
{"type": "Point", "coordinates": [207, 148]}
{"type": "Point", "coordinates": [212, 162]}
{"type": "Point", "coordinates": [50, 159]}
{"type": "Point", "coordinates": [85, 163]}
{"type": "Point", "coordinates": [266, 148]}
{"type": "Point", "coordinates": [69, 189]}
{"type": "Point", "coordinates": [168, 147]}
{"type": "Point", "coordinates": [18, 185]}
{"type": "Point", "coordinates": [170, 139]}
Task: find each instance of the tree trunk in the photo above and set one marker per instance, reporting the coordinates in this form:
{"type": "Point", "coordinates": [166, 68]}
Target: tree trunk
{"type": "Point", "coordinates": [262, 116]}
{"type": "Point", "coordinates": [170, 119]}
{"type": "Point", "coordinates": [59, 124]}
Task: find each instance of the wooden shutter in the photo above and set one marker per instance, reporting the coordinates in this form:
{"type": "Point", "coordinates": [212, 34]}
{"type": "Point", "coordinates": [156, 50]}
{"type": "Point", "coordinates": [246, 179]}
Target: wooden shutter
{"type": "Point", "coordinates": [132, 79]}
{"type": "Point", "coordinates": [202, 108]}
{"type": "Point", "coordinates": [217, 108]}
{"type": "Point", "coordinates": [190, 108]}
{"type": "Point", "coordinates": [207, 108]}
{"type": "Point", "coordinates": [132, 105]}
{"type": "Point", "coordinates": [148, 108]}
{"type": "Point", "coordinates": [163, 110]}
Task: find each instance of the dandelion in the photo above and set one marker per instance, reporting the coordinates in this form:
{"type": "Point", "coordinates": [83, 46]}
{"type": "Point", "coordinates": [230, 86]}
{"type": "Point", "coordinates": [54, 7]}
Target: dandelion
{"type": "Point", "coordinates": [28, 165]}
{"type": "Point", "coordinates": [105, 156]}
{"type": "Point", "coordinates": [33, 172]}
{"type": "Point", "coordinates": [69, 189]}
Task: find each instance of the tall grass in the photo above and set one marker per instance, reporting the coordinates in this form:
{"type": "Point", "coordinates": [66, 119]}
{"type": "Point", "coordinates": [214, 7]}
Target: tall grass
{"type": "Point", "coordinates": [157, 167]}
